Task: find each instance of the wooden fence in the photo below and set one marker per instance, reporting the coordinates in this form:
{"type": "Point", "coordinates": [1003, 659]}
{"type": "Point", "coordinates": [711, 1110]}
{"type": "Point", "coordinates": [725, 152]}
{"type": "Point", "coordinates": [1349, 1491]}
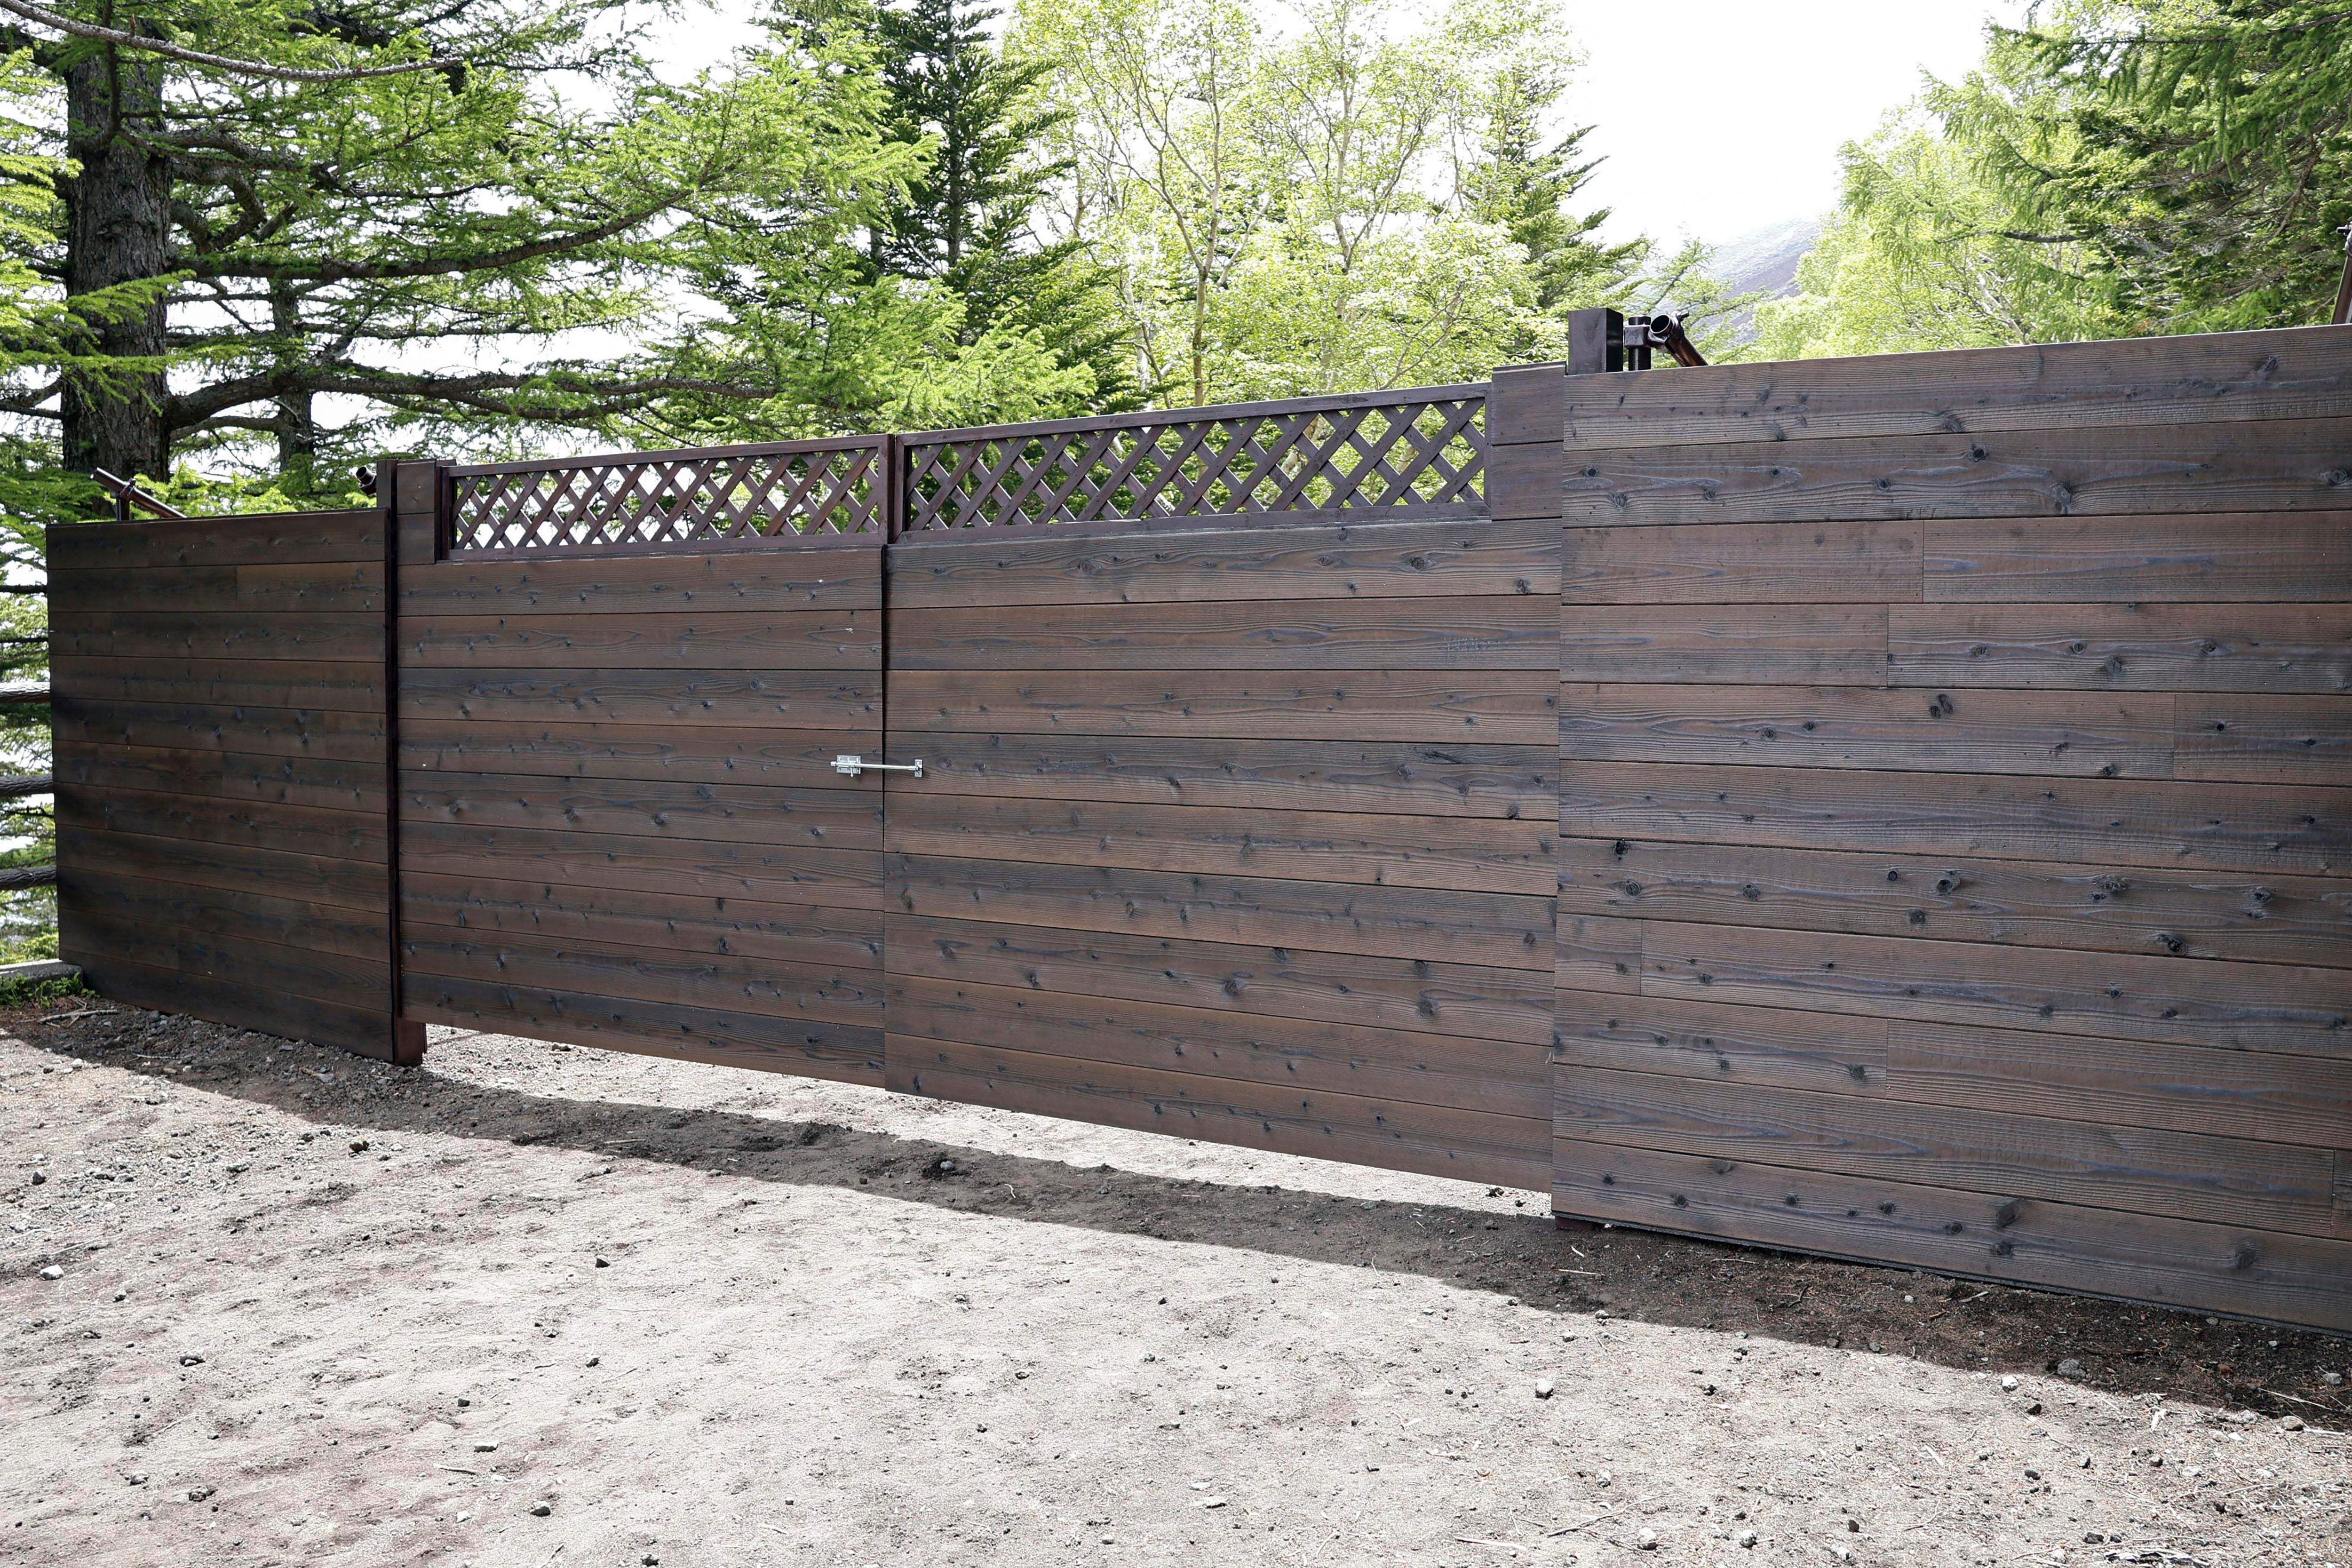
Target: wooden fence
{"type": "Point", "coordinates": [1894, 808]}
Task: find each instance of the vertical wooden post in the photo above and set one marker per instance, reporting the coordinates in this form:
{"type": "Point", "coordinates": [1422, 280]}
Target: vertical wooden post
{"type": "Point", "coordinates": [397, 498]}
{"type": "Point", "coordinates": [1596, 341]}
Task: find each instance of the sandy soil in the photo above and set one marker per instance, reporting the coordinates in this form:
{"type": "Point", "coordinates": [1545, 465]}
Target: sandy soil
{"type": "Point", "coordinates": [543, 1307]}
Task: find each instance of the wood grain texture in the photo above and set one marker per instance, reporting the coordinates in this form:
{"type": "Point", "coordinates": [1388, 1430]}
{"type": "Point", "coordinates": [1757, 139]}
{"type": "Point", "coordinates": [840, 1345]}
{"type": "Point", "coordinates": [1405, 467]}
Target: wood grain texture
{"type": "Point", "coordinates": [1498, 707]}
{"type": "Point", "coordinates": [1455, 632]}
{"type": "Point", "coordinates": [2000, 1237]}
{"type": "Point", "coordinates": [771, 815]}
{"type": "Point", "coordinates": [1739, 645]}
{"type": "Point", "coordinates": [800, 759]}
{"type": "Point", "coordinates": [835, 702]}
{"type": "Point", "coordinates": [346, 686]}
{"type": "Point", "coordinates": [2295, 372]}
{"type": "Point", "coordinates": [254, 540]}
{"type": "Point", "coordinates": [2304, 831]}
{"type": "Point", "coordinates": [1869, 561]}
{"type": "Point", "coordinates": [718, 639]}
{"type": "Point", "coordinates": [788, 874]}
{"type": "Point", "coordinates": [2188, 557]}
{"type": "Point", "coordinates": [1341, 562]}
{"type": "Point", "coordinates": [619, 972]}
{"type": "Point", "coordinates": [1474, 855]}
{"type": "Point", "coordinates": [230, 775]}
{"type": "Point", "coordinates": [2282, 650]}
{"type": "Point", "coordinates": [710, 925]}
{"type": "Point", "coordinates": [2154, 911]}
{"type": "Point", "coordinates": [831, 580]}
{"type": "Point", "coordinates": [2273, 464]}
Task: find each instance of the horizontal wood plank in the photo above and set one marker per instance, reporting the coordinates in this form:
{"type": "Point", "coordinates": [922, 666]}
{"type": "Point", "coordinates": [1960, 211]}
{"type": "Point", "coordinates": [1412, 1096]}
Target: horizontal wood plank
{"type": "Point", "coordinates": [348, 686]}
{"type": "Point", "coordinates": [770, 815]}
{"type": "Point", "coordinates": [347, 884]}
{"type": "Point", "coordinates": [304, 588]}
{"type": "Point", "coordinates": [2192, 558]}
{"type": "Point", "coordinates": [1736, 645]}
{"type": "Point", "coordinates": [685, 980]}
{"type": "Point", "coordinates": [1869, 561]}
{"type": "Point", "coordinates": [250, 541]}
{"type": "Point", "coordinates": [836, 701]}
{"type": "Point", "coordinates": [275, 731]}
{"type": "Point", "coordinates": [2132, 647]}
{"type": "Point", "coordinates": [322, 782]}
{"type": "Point", "coordinates": [1500, 707]}
{"type": "Point", "coordinates": [105, 633]}
{"type": "Point", "coordinates": [265, 825]}
{"type": "Point", "coordinates": [709, 924]}
{"type": "Point", "coordinates": [831, 878]}
{"type": "Point", "coordinates": [763, 581]}
{"type": "Point", "coordinates": [687, 640]}
{"type": "Point", "coordinates": [702, 754]}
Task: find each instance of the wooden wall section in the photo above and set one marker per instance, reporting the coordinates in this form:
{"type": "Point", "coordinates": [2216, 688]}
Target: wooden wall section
{"type": "Point", "coordinates": [1955, 816]}
{"type": "Point", "coordinates": [222, 777]}
{"type": "Point", "coordinates": [1243, 834]}
{"type": "Point", "coordinates": [618, 822]}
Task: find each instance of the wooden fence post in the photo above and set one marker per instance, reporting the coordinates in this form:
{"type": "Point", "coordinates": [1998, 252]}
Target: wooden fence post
{"type": "Point", "coordinates": [1596, 341]}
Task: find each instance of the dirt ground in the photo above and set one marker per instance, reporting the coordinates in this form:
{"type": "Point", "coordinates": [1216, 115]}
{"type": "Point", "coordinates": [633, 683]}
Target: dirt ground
{"type": "Point", "coordinates": [556, 1309]}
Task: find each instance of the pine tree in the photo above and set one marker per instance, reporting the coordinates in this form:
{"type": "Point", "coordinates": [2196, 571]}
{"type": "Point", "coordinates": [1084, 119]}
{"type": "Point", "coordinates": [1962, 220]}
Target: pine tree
{"type": "Point", "coordinates": [1526, 190]}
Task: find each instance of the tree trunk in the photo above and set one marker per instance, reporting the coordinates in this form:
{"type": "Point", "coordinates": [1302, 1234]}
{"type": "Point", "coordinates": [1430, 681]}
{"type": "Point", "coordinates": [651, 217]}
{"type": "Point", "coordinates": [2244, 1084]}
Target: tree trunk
{"type": "Point", "coordinates": [298, 429]}
{"type": "Point", "coordinates": [119, 224]}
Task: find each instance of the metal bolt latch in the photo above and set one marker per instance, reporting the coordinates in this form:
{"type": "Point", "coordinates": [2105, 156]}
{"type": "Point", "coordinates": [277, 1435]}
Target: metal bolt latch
{"type": "Point", "coordinates": [851, 767]}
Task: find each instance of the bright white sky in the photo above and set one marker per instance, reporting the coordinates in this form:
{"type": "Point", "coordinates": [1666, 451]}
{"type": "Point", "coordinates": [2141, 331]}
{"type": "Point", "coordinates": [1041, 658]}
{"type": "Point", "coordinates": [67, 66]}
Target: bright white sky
{"type": "Point", "coordinates": [1751, 141]}
{"type": "Point", "coordinates": [1773, 90]}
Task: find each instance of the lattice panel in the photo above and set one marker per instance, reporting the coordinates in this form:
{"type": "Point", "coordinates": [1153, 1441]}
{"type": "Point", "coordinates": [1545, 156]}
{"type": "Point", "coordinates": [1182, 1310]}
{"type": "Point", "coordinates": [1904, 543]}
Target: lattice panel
{"type": "Point", "coordinates": [688, 497]}
{"type": "Point", "coordinates": [1426, 451]}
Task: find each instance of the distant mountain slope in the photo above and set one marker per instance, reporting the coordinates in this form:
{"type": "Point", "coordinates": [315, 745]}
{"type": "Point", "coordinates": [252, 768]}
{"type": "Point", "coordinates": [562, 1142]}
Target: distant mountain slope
{"type": "Point", "coordinates": [1763, 259]}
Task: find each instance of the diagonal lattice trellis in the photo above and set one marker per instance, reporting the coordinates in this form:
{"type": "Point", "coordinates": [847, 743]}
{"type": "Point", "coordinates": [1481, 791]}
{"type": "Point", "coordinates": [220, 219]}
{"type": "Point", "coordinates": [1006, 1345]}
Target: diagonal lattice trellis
{"type": "Point", "coordinates": [791, 491]}
{"type": "Point", "coordinates": [1424, 448]}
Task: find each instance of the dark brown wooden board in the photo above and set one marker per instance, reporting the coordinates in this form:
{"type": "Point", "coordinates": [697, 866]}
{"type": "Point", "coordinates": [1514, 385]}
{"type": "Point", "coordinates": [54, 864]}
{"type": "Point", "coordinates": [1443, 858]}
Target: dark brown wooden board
{"type": "Point", "coordinates": [713, 925]}
{"type": "Point", "coordinates": [1452, 632]}
{"type": "Point", "coordinates": [2154, 911]}
{"type": "Point", "coordinates": [2266, 465]}
{"type": "Point", "coordinates": [842, 702]}
{"type": "Point", "coordinates": [1285, 1120]}
{"type": "Point", "coordinates": [1442, 925]}
{"type": "Point", "coordinates": [718, 639]}
{"type": "Point", "coordinates": [1941, 731]}
{"type": "Point", "coordinates": [230, 914]}
{"type": "Point", "coordinates": [99, 633]}
{"type": "Point", "coordinates": [1471, 779]}
{"type": "Point", "coordinates": [2301, 831]}
{"type": "Point", "coordinates": [350, 884]}
{"type": "Point", "coordinates": [323, 782]}
{"type": "Point", "coordinates": [1343, 561]}
{"type": "Point", "coordinates": [1473, 855]}
{"type": "Point", "coordinates": [2294, 372]}
{"type": "Point", "coordinates": [241, 1002]}
{"type": "Point", "coordinates": [786, 874]}
{"type": "Point", "coordinates": [277, 732]}
{"type": "Point", "coordinates": [1869, 561]}
{"type": "Point", "coordinates": [2188, 557]}
{"type": "Point", "coordinates": [1496, 707]}
{"type": "Point", "coordinates": [309, 588]}
{"type": "Point", "coordinates": [247, 541]}
{"type": "Point", "coordinates": [769, 815]}
{"type": "Point", "coordinates": [830, 580]}
{"type": "Point", "coordinates": [2000, 1237]}
{"type": "Point", "coordinates": [758, 988]}
{"type": "Point", "coordinates": [1737, 645]}
{"type": "Point", "coordinates": [2275, 648]}
{"type": "Point", "coordinates": [349, 686]}
{"type": "Point", "coordinates": [1379, 993]}
{"type": "Point", "coordinates": [297, 829]}
{"type": "Point", "coordinates": [800, 759]}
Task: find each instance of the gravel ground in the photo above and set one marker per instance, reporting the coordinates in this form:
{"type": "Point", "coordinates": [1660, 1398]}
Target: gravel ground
{"type": "Point", "coordinates": [554, 1309]}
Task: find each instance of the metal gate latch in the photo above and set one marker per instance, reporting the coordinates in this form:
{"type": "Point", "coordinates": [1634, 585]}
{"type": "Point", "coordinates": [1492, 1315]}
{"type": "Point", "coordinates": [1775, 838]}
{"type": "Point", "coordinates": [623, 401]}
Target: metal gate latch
{"type": "Point", "coordinates": [851, 767]}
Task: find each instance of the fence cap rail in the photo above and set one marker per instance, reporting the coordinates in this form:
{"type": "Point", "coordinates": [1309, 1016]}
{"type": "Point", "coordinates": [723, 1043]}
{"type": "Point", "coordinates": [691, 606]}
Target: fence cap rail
{"type": "Point", "coordinates": [669, 455]}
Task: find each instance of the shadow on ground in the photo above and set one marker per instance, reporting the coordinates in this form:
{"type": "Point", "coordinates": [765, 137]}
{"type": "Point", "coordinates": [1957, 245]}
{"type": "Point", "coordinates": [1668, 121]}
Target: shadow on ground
{"type": "Point", "coordinates": [1647, 1277]}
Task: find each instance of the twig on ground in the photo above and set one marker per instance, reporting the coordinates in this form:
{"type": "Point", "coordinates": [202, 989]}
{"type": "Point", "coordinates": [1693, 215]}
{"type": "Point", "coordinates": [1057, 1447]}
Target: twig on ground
{"type": "Point", "coordinates": [85, 1013]}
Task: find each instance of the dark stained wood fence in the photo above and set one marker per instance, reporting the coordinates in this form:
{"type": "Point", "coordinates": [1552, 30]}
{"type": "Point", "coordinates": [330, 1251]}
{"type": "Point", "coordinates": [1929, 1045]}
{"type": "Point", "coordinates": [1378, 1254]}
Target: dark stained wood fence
{"type": "Point", "coordinates": [619, 824]}
{"type": "Point", "coordinates": [223, 790]}
{"type": "Point", "coordinates": [1955, 813]}
{"type": "Point", "coordinates": [1896, 808]}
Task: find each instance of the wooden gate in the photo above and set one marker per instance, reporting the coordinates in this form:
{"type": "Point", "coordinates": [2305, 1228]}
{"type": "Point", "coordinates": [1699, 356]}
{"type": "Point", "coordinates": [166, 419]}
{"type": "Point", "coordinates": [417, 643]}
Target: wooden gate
{"type": "Point", "coordinates": [619, 821]}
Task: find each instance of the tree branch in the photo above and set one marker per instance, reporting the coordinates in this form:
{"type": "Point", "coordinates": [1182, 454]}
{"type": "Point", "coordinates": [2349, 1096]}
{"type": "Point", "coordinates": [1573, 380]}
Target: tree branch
{"type": "Point", "coordinates": [48, 18]}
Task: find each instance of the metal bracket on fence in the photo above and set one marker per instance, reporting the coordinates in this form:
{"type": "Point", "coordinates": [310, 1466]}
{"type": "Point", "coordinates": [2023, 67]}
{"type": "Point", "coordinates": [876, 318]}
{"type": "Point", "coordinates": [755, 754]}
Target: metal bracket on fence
{"type": "Point", "coordinates": [851, 767]}
{"type": "Point", "coordinates": [127, 494]}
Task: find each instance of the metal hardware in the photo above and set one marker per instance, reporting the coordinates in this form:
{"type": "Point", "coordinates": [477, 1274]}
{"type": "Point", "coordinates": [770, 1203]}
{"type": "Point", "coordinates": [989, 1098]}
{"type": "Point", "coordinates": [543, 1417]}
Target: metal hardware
{"type": "Point", "coordinates": [850, 766]}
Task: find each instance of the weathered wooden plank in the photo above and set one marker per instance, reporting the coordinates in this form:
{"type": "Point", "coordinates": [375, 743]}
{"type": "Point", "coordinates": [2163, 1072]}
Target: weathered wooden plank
{"type": "Point", "coordinates": [2275, 1186]}
{"type": "Point", "coordinates": [347, 884]}
{"type": "Point", "coordinates": [251, 541]}
{"type": "Point", "coordinates": [2135, 646]}
{"type": "Point", "coordinates": [347, 1023]}
{"type": "Point", "coordinates": [710, 754]}
{"type": "Point", "coordinates": [685, 980]}
{"type": "Point", "coordinates": [1503, 931]}
{"type": "Point", "coordinates": [322, 782]}
{"type": "Point", "coordinates": [230, 914]}
{"type": "Point", "coordinates": [1597, 954]}
{"type": "Point", "coordinates": [1470, 854]}
{"type": "Point", "coordinates": [1464, 780]}
{"type": "Point", "coordinates": [719, 639]}
{"type": "Point", "coordinates": [1340, 1058]}
{"type": "Point", "coordinates": [350, 687]}
{"type": "Point", "coordinates": [1343, 561]}
{"type": "Point", "coordinates": [1453, 632]}
{"type": "Point", "coordinates": [197, 726]}
{"type": "Point", "coordinates": [2272, 465]}
{"type": "Point", "coordinates": [836, 701]}
{"type": "Point", "coordinates": [276, 588]}
{"type": "Point", "coordinates": [131, 634]}
{"type": "Point", "coordinates": [1872, 562]}
{"type": "Point", "coordinates": [2108, 822]}
{"type": "Point", "coordinates": [333, 979]}
{"type": "Point", "coordinates": [1377, 993]}
{"type": "Point", "coordinates": [846, 1052]}
{"type": "Point", "coordinates": [1386, 1134]}
{"type": "Point", "coordinates": [2193, 558]}
{"type": "Point", "coordinates": [2060, 733]}
{"type": "Point", "coordinates": [2294, 372]}
{"type": "Point", "coordinates": [2226, 1267]}
{"type": "Point", "coordinates": [760, 580]}
{"type": "Point", "coordinates": [263, 825]}
{"type": "Point", "coordinates": [1522, 481]}
{"type": "Point", "coordinates": [830, 879]}
{"type": "Point", "coordinates": [1736, 645]}
{"type": "Point", "coordinates": [2294, 1009]}
{"type": "Point", "coordinates": [1525, 405]}
{"type": "Point", "coordinates": [2265, 740]}
{"type": "Point", "coordinates": [1500, 706]}
{"type": "Point", "coordinates": [2188, 1089]}
{"type": "Point", "coordinates": [771, 815]}
{"type": "Point", "coordinates": [2256, 917]}
{"type": "Point", "coordinates": [666, 922]}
